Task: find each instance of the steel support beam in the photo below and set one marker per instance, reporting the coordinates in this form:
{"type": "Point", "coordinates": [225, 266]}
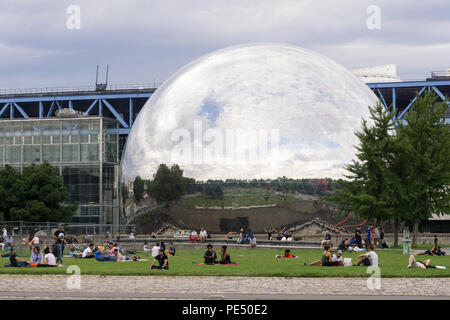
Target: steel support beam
{"type": "Point", "coordinates": [23, 113]}
{"type": "Point", "coordinates": [410, 104]}
{"type": "Point", "coordinates": [114, 112]}
{"type": "Point", "coordinates": [4, 108]}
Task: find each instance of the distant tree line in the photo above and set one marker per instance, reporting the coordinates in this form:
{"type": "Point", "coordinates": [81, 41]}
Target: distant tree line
{"type": "Point", "coordinates": [169, 184]}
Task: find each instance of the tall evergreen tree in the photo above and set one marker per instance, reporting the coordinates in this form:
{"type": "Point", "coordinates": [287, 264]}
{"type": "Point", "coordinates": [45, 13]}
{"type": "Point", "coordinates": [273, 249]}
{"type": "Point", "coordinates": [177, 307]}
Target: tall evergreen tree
{"type": "Point", "coordinates": [425, 146]}
{"type": "Point", "coordinates": [369, 188]}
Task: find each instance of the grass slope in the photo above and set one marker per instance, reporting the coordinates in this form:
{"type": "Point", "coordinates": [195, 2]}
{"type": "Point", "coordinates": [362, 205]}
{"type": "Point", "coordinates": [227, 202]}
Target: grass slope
{"type": "Point", "coordinates": [251, 263]}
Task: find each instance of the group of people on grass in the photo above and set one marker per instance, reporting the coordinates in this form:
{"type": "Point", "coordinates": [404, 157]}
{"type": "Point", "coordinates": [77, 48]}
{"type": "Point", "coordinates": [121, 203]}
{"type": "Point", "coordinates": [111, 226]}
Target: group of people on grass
{"type": "Point", "coordinates": [38, 259]}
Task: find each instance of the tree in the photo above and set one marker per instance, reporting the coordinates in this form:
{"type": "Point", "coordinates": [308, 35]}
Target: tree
{"type": "Point", "coordinates": [138, 189]}
{"type": "Point", "coordinates": [168, 184]}
{"type": "Point", "coordinates": [370, 188]}
{"type": "Point", "coordinates": [36, 194]}
{"type": "Point", "coordinates": [214, 191]}
{"type": "Point", "coordinates": [425, 146]}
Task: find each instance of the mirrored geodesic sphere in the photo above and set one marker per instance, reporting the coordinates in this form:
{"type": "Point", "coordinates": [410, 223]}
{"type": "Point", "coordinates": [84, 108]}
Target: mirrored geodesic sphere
{"type": "Point", "coordinates": [251, 111]}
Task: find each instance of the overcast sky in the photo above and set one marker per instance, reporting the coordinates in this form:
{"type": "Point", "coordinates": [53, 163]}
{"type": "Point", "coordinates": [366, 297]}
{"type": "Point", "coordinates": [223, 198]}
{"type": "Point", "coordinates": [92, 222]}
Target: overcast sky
{"type": "Point", "coordinates": [146, 41]}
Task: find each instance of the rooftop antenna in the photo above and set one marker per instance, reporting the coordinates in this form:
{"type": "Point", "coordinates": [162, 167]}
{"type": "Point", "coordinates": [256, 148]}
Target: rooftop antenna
{"type": "Point", "coordinates": [101, 86]}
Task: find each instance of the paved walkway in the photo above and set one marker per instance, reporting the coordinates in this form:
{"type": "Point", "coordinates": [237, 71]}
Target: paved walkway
{"type": "Point", "coordinates": [162, 287]}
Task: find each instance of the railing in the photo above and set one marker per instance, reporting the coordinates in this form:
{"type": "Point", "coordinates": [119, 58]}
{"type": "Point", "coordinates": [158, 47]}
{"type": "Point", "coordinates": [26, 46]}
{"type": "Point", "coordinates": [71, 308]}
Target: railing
{"type": "Point", "coordinates": [438, 74]}
{"type": "Point", "coordinates": [142, 86]}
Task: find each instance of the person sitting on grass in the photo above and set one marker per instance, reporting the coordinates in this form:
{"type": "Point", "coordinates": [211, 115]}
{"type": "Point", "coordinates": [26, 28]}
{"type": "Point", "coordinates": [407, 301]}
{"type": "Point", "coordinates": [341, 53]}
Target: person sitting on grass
{"type": "Point", "coordinates": [171, 249]}
{"type": "Point", "coordinates": [49, 259]}
{"type": "Point", "coordinates": [10, 247]}
{"type": "Point", "coordinates": [16, 262]}
{"type": "Point", "coordinates": [435, 251]}
{"type": "Point", "coordinates": [210, 255]}
{"type": "Point", "coordinates": [147, 247]}
{"type": "Point", "coordinates": [100, 247]}
{"type": "Point", "coordinates": [36, 256]}
{"type": "Point", "coordinates": [225, 257]}
{"type": "Point", "coordinates": [162, 259]}
{"type": "Point", "coordinates": [326, 260]}
{"type": "Point", "coordinates": [287, 254]}
{"type": "Point", "coordinates": [368, 259]}
{"type": "Point", "coordinates": [338, 259]}
{"type": "Point", "coordinates": [88, 253]}
{"type": "Point", "coordinates": [99, 256]}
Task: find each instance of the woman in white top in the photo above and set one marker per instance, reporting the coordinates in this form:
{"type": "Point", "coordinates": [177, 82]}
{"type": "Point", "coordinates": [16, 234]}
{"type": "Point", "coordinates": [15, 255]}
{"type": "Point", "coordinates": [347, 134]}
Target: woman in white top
{"type": "Point", "coordinates": [155, 249]}
{"type": "Point", "coordinates": [49, 259]}
{"type": "Point", "coordinates": [146, 247]}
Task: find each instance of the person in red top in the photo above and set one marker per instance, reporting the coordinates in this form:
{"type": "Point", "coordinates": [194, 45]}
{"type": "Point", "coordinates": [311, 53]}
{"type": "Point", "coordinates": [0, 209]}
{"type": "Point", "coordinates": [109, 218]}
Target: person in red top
{"type": "Point", "coordinates": [287, 254]}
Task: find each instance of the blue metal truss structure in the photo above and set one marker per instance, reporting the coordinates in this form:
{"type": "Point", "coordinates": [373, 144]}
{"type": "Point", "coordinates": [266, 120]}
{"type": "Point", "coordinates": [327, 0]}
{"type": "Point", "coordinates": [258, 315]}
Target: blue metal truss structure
{"type": "Point", "coordinates": [122, 105]}
{"type": "Point", "coordinates": [401, 95]}
{"type": "Point", "coordinates": [125, 104]}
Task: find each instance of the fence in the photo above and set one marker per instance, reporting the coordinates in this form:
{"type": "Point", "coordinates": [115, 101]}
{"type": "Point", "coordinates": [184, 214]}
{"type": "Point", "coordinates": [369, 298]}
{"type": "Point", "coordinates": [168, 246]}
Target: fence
{"type": "Point", "coordinates": [77, 235]}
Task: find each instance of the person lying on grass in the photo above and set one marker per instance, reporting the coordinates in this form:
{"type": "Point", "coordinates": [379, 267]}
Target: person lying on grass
{"type": "Point", "coordinates": [287, 254]}
{"type": "Point", "coordinates": [368, 259]}
{"type": "Point", "coordinates": [327, 258]}
{"type": "Point", "coordinates": [16, 262]}
{"type": "Point", "coordinates": [435, 251]}
{"type": "Point", "coordinates": [162, 260]}
{"type": "Point", "coordinates": [210, 255]}
{"type": "Point", "coordinates": [121, 257]}
{"type": "Point", "coordinates": [421, 264]}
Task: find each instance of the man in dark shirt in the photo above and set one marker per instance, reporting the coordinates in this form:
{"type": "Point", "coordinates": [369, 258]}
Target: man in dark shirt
{"type": "Point", "coordinates": [59, 239]}
{"type": "Point", "coordinates": [210, 255]}
{"type": "Point", "coordinates": [16, 262]}
{"type": "Point", "coordinates": [162, 259]}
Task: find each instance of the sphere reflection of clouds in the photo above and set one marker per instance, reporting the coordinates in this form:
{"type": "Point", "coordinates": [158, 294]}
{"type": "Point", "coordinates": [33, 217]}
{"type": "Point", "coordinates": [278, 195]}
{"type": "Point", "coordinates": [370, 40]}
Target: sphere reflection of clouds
{"type": "Point", "coordinates": [294, 110]}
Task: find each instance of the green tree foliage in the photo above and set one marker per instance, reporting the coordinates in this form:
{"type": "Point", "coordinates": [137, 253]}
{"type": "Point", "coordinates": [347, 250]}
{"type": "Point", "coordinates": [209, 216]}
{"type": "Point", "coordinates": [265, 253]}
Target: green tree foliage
{"type": "Point", "coordinates": [402, 173]}
{"type": "Point", "coordinates": [138, 189]}
{"type": "Point", "coordinates": [425, 163]}
{"type": "Point", "coordinates": [36, 194]}
{"type": "Point", "coordinates": [214, 191]}
{"type": "Point", "coordinates": [168, 184]}
{"type": "Point", "coordinates": [370, 188]}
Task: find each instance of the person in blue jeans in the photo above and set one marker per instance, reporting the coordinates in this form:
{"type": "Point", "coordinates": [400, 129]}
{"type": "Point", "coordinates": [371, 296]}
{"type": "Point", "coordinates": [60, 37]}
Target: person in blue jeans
{"type": "Point", "coordinates": [59, 238]}
{"type": "Point", "coordinates": [104, 257]}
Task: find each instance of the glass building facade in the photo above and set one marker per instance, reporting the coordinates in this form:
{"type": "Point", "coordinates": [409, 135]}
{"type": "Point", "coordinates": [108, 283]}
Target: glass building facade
{"type": "Point", "coordinates": [84, 149]}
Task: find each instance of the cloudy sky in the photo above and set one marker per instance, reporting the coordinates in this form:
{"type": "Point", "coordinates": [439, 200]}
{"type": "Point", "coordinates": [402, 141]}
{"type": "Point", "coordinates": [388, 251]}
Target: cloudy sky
{"type": "Point", "coordinates": [146, 41]}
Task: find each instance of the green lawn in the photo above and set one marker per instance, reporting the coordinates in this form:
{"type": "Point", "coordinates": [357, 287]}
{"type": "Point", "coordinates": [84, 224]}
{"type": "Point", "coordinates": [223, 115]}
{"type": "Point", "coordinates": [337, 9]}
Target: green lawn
{"type": "Point", "coordinates": [245, 200]}
{"type": "Point", "coordinates": [251, 263]}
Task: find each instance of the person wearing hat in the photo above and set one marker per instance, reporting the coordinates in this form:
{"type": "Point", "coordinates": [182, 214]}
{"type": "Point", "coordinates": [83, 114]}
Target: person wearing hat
{"type": "Point", "coordinates": [210, 255]}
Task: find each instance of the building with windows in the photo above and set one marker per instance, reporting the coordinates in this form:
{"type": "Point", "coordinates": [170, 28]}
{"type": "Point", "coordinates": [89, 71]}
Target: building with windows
{"type": "Point", "coordinates": [85, 151]}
